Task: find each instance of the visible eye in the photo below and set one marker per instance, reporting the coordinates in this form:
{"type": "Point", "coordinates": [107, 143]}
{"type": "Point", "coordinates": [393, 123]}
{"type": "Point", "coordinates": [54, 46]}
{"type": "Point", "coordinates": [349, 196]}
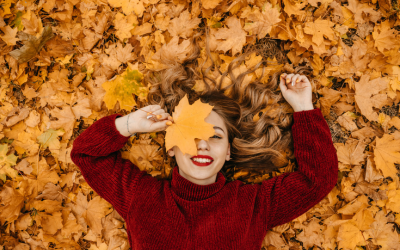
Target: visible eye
{"type": "Point", "coordinates": [216, 136]}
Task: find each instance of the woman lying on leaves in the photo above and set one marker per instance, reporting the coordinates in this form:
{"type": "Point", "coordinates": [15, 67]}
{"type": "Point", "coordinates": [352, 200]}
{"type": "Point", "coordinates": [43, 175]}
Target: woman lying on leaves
{"type": "Point", "coordinates": [198, 208]}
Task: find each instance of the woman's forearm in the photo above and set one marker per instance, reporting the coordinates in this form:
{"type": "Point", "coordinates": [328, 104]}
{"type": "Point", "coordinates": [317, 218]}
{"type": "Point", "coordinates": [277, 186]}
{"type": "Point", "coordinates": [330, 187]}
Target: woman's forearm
{"type": "Point", "coordinates": [121, 126]}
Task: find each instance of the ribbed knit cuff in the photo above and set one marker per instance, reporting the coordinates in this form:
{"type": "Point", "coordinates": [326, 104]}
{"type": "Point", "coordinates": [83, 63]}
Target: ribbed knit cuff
{"type": "Point", "coordinates": [307, 116]}
{"type": "Point", "coordinates": [101, 138]}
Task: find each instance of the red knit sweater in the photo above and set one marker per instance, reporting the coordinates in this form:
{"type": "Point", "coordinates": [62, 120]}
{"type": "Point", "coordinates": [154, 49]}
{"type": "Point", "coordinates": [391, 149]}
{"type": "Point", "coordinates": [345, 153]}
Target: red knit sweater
{"type": "Point", "coordinates": [179, 214]}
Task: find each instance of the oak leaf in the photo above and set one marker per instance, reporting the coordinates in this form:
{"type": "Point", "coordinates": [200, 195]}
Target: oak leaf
{"type": "Point", "coordinates": [189, 124]}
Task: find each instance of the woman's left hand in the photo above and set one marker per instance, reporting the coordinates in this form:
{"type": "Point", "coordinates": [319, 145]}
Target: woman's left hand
{"type": "Point", "coordinates": [296, 89]}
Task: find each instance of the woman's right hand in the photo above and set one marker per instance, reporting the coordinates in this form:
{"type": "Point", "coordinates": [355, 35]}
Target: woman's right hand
{"type": "Point", "coordinates": [159, 120]}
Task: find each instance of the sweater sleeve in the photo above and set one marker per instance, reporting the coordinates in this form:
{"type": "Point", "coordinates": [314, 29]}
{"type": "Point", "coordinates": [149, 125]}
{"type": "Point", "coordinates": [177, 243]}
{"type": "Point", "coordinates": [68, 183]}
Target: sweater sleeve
{"type": "Point", "coordinates": [290, 195]}
{"type": "Point", "coordinates": [96, 152]}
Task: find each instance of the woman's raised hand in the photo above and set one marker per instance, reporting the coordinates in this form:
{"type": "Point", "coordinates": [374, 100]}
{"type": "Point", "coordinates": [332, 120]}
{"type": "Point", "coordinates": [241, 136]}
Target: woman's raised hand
{"type": "Point", "coordinates": [296, 89]}
{"type": "Point", "coordinates": [151, 118]}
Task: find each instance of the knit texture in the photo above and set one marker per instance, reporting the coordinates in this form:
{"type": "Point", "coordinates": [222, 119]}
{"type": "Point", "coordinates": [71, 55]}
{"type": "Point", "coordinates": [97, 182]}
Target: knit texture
{"type": "Point", "coordinates": [179, 214]}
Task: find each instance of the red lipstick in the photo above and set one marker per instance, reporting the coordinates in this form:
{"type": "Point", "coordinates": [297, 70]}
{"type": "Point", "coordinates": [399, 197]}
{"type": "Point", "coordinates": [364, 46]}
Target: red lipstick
{"type": "Point", "coordinates": [200, 164]}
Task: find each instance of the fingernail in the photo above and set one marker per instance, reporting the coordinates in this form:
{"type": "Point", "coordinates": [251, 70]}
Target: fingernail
{"type": "Point", "coordinates": [158, 116]}
{"type": "Point", "coordinates": [169, 123]}
{"type": "Point", "coordinates": [292, 83]}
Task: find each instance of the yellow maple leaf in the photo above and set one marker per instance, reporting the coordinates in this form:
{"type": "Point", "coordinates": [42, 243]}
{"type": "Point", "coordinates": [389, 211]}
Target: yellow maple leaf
{"type": "Point", "coordinates": [144, 156]}
{"type": "Point", "coordinates": [49, 139]}
{"type": "Point", "coordinates": [210, 4]}
{"type": "Point", "coordinates": [189, 124]}
{"type": "Point", "coordinates": [387, 153]}
{"type": "Point", "coordinates": [12, 202]}
{"type": "Point", "coordinates": [128, 6]}
{"type": "Point", "coordinates": [32, 45]}
{"type": "Point", "coordinates": [6, 161]}
{"type": "Point", "coordinates": [9, 35]}
{"type": "Point", "coordinates": [184, 25]}
{"type": "Point", "coordinates": [385, 37]}
{"type": "Point", "coordinates": [320, 28]}
{"type": "Point", "coordinates": [393, 200]}
{"type": "Point", "coordinates": [349, 236]}
{"type": "Point", "coordinates": [124, 24]}
{"type": "Point", "coordinates": [233, 37]}
{"type": "Point", "coordinates": [172, 52]}
{"type": "Point", "coordinates": [262, 21]}
{"type": "Point", "coordinates": [6, 6]}
{"type": "Point", "coordinates": [365, 88]}
{"type": "Point", "coordinates": [93, 211]}
{"type": "Point", "coordinates": [122, 88]}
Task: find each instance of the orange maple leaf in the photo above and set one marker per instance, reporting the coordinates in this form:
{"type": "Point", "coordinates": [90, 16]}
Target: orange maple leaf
{"type": "Point", "coordinates": [189, 124]}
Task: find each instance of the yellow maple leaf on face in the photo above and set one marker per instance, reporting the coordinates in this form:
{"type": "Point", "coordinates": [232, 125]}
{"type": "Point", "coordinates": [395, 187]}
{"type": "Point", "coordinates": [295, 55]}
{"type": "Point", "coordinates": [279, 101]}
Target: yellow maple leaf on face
{"type": "Point", "coordinates": [189, 124]}
{"type": "Point", "coordinates": [122, 88]}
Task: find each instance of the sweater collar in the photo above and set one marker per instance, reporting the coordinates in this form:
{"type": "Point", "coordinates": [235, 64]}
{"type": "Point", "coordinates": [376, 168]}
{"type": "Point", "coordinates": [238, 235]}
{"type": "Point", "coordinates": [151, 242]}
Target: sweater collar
{"type": "Point", "coordinates": [193, 192]}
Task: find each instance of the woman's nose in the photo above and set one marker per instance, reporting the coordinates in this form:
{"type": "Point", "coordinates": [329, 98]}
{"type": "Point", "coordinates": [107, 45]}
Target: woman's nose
{"type": "Point", "coordinates": [202, 144]}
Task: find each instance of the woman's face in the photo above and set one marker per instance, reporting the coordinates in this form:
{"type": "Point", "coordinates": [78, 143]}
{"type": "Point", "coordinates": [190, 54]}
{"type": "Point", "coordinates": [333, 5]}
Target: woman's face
{"type": "Point", "coordinates": [216, 147]}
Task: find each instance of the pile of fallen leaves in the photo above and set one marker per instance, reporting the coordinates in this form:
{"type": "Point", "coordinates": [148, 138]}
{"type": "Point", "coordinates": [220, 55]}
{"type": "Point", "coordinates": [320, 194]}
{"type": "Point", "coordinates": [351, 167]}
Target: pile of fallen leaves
{"type": "Point", "coordinates": [66, 63]}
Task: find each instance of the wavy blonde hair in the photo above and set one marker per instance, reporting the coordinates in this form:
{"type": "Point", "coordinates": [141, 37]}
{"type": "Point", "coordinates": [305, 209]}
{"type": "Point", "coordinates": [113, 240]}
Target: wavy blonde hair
{"type": "Point", "coordinates": [265, 144]}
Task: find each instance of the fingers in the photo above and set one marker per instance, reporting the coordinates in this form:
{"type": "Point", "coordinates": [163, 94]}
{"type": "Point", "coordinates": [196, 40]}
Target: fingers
{"type": "Point", "coordinates": [295, 79]}
{"type": "Point", "coordinates": [292, 79]}
{"type": "Point", "coordinates": [160, 126]}
{"type": "Point", "coordinates": [160, 115]}
{"type": "Point", "coordinates": [282, 83]}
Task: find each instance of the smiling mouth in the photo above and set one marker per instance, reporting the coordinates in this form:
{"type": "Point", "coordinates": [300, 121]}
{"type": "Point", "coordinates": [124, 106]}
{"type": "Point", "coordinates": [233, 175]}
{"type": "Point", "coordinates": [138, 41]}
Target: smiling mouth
{"type": "Point", "coordinates": [201, 164]}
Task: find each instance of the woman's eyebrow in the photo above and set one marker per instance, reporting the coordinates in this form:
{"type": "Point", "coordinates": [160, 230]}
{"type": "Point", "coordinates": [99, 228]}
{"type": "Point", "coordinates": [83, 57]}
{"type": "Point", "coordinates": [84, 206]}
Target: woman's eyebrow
{"type": "Point", "coordinates": [219, 128]}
